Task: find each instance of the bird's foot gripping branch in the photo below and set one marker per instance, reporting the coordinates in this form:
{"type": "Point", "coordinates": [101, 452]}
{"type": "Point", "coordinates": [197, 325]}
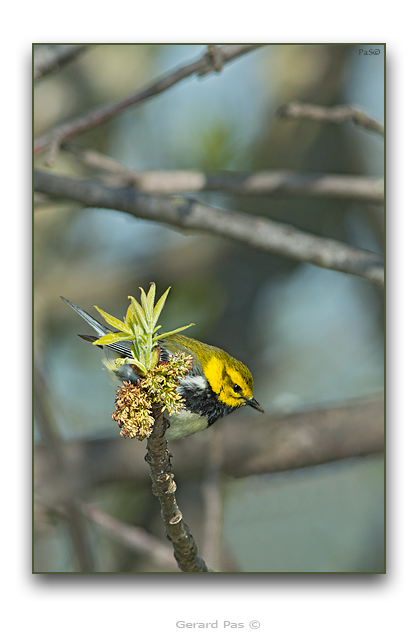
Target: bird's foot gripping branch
{"type": "Point", "coordinates": [157, 381]}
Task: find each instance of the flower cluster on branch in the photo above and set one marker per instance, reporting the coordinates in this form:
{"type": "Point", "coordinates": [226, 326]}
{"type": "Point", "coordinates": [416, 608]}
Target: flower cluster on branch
{"type": "Point", "coordinates": [134, 402]}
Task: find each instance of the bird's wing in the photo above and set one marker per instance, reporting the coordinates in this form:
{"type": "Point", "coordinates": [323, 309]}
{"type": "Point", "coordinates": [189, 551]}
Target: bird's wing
{"type": "Point", "coordinates": [172, 345]}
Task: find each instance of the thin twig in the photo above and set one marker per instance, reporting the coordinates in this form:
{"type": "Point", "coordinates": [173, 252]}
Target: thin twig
{"type": "Point", "coordinates": [182, 212]}
{"type": "Point", "coordinates": [164, 487]}
{"type": "Point", "coordinates": [333, 114]}
{"type": "Point", "coordinates": [285, 183]}
{"type": "Point", "coordinates": [50, 57]}
{"type": "Point", "coordinates": [131, 536]}
{"type": "Point", "coordinates": [103, 114]}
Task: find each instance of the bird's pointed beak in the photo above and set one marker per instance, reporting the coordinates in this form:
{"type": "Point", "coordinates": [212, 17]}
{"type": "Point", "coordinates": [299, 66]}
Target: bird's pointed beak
{"type": "Point", "coordinates": [255, 404]}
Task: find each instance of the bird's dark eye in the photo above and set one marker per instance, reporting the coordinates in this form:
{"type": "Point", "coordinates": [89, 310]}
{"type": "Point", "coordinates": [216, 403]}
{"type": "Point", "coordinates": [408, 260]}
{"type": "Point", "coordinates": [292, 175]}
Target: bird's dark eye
{"type": "Point", "coordinates": [237, 389]}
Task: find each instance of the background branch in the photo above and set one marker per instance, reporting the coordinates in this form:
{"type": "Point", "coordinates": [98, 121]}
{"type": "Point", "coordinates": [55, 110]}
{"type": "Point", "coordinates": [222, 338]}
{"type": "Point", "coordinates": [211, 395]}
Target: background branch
{"type": "Point", "coordinates": [258, 232]}
{"type": "Point", "coordinates": [263, 182]}
{"type": "Point", "coordinates": [133, 537]}
{"type": "Point", "coordinates": [288, 442]}
{"type": "Point", "coordinates": [103, 114]}
{"type": "Point", "coordinates": [333, 114]}
{"type": "Point", "coordinates": [50, 57]}
{"type": "Point", "coordinates": [63, 482]}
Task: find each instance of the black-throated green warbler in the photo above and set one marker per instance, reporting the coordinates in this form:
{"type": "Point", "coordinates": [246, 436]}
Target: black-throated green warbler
{"type": "Point", "coordinates": [216, 385]}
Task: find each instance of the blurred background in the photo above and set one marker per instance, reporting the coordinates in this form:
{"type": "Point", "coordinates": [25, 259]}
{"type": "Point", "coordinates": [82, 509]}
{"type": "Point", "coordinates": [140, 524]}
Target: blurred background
{"type": "Point", "coordinates": [313, 338]}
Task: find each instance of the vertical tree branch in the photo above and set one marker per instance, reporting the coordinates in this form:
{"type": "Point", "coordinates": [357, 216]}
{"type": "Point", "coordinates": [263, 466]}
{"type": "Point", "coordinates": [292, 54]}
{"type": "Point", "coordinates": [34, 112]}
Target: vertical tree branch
{"type": "Point", "coordinates": [164, 487]}
{"type": "Point", "coordinates": [73, 515]}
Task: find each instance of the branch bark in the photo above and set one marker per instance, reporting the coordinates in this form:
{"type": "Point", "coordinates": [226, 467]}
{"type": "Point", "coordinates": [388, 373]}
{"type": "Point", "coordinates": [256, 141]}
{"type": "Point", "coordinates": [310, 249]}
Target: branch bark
{"type": "Point", "coordinates": [182, 212]}
{"type": "Point", "coordinates": [285, 183]}
{"type": "Point", "coordinates": [164, 487]}
{"type": "Point", "coordinates": [333, 114]}
{"type": "Point", "coordinates": [50, 57]}
{"type": "Point", "coordinates": [206, 64]}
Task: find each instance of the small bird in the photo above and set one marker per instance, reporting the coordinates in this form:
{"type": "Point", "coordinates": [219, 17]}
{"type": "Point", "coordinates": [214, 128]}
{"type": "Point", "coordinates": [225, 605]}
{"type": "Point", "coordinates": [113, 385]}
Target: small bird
{"type": "Point", "coordinates": [216, 385]}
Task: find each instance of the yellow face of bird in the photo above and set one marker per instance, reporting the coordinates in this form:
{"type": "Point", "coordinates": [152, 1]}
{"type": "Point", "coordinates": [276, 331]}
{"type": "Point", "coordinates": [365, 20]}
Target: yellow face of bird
{"type": "Point", "coordinates": [230, 379]}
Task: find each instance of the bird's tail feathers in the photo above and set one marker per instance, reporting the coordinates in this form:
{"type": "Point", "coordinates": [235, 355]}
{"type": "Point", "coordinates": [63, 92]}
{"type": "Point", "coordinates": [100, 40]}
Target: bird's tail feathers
{"type": "Point", "coordinates": [98, 327]}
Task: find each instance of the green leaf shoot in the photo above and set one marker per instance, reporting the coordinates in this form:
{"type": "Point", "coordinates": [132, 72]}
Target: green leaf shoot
{"type": "Point", "coordinates": [140, 327]}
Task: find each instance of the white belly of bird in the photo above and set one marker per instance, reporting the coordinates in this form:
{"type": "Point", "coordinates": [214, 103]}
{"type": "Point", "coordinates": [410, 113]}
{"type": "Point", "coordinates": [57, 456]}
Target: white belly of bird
{"type": "Point", "coordinates": [185, 423]}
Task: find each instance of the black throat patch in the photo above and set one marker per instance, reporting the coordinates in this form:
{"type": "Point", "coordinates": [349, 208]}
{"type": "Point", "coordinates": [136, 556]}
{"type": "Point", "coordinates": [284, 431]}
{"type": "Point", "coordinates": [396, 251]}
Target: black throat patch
{"type": "Point", "coordinates": [204, 402]}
